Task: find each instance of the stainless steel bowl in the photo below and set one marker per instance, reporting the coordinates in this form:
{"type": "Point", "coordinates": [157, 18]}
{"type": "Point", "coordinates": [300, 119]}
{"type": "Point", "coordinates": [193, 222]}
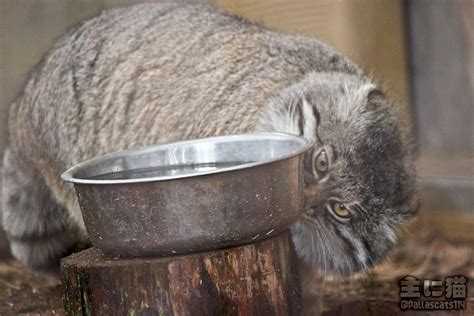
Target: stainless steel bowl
{"type": "Point", "coordinates": [193, 195]}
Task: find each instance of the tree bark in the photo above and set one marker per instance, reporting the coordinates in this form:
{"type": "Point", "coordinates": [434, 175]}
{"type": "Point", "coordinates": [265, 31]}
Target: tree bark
{"type": "Point", "coordinates": [255, 279]}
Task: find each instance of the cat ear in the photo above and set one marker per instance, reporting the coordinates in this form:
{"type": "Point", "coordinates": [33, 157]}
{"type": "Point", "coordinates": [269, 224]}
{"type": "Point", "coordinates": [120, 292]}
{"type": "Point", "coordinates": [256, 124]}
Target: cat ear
{"type": "Point", "coordinates": [311, 117]}
{"type": "Point", "coordinates": [375, 97]}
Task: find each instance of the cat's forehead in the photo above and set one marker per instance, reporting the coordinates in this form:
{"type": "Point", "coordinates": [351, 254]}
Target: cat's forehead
{"type": "Point", "coordinates": [383, 169]}
{"type": "Point", "coordinates": [376, 155]}
{"type": "Point", "coordinates": [343, 107]}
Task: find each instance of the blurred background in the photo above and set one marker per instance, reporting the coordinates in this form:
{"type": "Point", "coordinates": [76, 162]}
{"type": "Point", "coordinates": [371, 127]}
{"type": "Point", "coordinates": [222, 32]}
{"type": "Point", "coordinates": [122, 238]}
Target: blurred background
{"type": "Point", "coordinates": [422, 51]}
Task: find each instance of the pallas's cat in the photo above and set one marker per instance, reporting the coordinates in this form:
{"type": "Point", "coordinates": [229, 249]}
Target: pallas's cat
{"type": "Point", "coordinates": [155, 73]}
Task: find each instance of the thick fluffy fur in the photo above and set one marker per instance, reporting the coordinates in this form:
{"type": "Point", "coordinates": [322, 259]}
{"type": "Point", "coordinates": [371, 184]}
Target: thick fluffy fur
{"type": "Point", "coordinates": [155, 73]}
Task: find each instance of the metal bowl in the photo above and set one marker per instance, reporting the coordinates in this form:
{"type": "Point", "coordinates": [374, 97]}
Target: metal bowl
{"type": "Point", "coordinates": [193, 195]}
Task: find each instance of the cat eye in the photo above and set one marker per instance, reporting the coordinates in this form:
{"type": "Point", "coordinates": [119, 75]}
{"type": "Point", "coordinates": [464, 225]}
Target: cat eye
{"type": "Point", "coordinates": [321, 163]}
{"type": "Point", "coordinates": [340, 210]}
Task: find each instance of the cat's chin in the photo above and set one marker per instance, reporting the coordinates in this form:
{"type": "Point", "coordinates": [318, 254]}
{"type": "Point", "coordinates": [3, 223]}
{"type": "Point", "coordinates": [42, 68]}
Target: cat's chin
{"type": "Point", "coordinates": [320, 253]}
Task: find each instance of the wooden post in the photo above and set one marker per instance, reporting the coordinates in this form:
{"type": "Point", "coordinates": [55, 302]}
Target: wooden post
{"type": "Point", "coordinates": [255, 279]}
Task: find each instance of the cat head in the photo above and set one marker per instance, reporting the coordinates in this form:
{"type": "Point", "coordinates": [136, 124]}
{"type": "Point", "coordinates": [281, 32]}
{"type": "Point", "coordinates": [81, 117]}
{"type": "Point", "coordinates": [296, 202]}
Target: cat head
{"type": "Point", "coordinates": [359, 177]}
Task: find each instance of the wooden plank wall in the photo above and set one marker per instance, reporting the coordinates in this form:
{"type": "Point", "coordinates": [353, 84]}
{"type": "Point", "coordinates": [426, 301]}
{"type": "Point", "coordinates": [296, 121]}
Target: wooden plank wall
{"type": "Point", "coordinates": [442, 55]}
{"type": "Point", "coordinates": [441, 39]}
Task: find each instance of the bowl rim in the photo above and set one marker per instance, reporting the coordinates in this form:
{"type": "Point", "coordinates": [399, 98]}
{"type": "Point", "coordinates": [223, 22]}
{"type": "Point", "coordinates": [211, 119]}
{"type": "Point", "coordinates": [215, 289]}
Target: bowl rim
{"type": "Point", "coordinates": [69, 175]}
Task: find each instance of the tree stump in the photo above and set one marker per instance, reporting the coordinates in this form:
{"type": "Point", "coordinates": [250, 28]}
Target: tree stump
{"type": "Point", "coordinates": [255, 279]}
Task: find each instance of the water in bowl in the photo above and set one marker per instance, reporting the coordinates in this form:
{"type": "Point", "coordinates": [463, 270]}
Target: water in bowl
{"type": "Point", "coordinates": [165, 171]}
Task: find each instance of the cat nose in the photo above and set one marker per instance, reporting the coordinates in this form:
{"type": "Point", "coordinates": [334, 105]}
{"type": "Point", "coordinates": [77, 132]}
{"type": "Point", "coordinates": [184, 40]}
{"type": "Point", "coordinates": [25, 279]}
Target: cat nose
{"type": "Point", "coordinates": [314, 196]}
{"type": "Point", "coordinates": [316, 209]}
{"type": "Point", "coordinates": [312, 192]}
